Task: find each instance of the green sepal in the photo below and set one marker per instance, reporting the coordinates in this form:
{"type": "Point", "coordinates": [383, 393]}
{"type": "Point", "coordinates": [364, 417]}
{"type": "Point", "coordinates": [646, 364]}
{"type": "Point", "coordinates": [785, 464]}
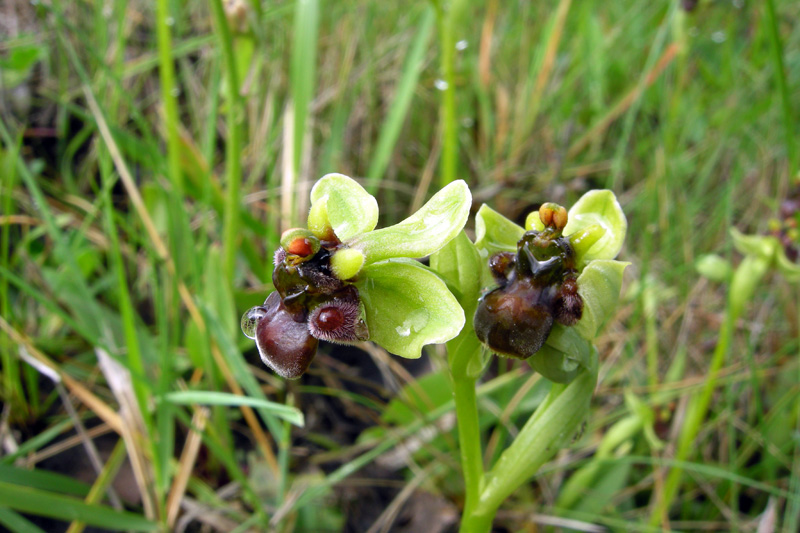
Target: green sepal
{"type": "Point", "coordinates": [350, 210]}
{"type": "Point", "coordinates": [407, 306]}
{"type": "Point", "coordinates": [599, 207]}
{"type": "Point", "coordinates": [563, 356]}
{"type": "Point", "coordinates": [495, 233]}
{"type": "Point", "coordinates": [424, 232]}
{"type": "Point", "coordinates": [460, 265]}
{"type": "Point", "coordinates": [599, 285]}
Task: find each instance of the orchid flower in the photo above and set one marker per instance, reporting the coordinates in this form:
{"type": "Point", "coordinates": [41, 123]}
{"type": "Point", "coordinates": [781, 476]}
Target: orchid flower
{"type": "Point", "coordinates": [557, 283]}
{"type": "Point", "coordinates": [343, 281]}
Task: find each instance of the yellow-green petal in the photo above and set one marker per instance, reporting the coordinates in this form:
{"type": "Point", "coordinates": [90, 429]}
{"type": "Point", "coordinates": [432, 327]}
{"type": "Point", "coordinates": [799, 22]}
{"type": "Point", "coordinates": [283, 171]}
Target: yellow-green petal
{"type": "Point", "coordinates": [424, 232]}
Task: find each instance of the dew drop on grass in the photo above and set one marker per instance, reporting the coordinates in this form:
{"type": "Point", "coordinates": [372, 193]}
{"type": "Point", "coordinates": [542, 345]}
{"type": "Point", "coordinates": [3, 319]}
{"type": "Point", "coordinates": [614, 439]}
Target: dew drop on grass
{"type": "Point", "coordinates": [440, 84]}
{"type": "Point", "coordinates": [169, 21]}
{"type": "Point", "coordinates": [718, 37]}
{"type": "Point", "coordinates": [462, 45]}
{"type": "Point", "coordinates": [250, 320]}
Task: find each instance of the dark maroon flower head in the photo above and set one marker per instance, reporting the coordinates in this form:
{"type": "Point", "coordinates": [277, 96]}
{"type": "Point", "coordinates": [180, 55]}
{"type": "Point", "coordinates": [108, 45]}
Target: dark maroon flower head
{"type": "Point", "coordinates": [309, 304]}
{"type": "Point", "coordinates": [537, 287]}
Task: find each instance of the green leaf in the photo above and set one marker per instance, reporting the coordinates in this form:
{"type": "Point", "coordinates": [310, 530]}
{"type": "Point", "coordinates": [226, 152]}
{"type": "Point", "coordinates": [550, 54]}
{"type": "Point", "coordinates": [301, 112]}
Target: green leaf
{"type": "Point", "coordinates": [407, 306]}
{"type": "Point", "coordinates": [424, 232]}
{"type": "Point", "coordinates": [495, 233]}
{"type": "Point", "coordinates": [563, 355]}
{"type": "Point", "coordinates": [190, 397]}
{"type": "Point", "coordinates": [460, 265]}
{"type": "Point", "coordinates": [68, 509]}
{"type": "Point", "coordinates": [349, 208]}
{"type": "Point", "coordinates": [599, 207]}
{"type": "Point", "coordinates": [599, 285]}
{"type": "Point", "coordinates": [15, 522]}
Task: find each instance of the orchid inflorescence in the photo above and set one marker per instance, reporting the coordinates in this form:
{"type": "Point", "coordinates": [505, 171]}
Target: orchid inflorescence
{"type": "Point", "coordinates": [555, 282]}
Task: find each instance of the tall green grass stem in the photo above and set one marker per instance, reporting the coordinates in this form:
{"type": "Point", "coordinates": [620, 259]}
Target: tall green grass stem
{"type": "Point", "coordinates": [390, 131]}
{"type": "Point", "coordinates": [446, 17]}
{"type": "Point", "coordinates": [783, 87]}
{"type": "Point", "coordinates": [233, 166]}
{"type": "Point", "coordinates": [166, 71]}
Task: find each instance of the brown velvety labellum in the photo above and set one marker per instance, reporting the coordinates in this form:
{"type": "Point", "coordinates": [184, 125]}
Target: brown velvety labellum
{"type": "Point", "coordinates": [286, 346]}
{"type": "Point", "coordinates": [515, 321]}
{"type": "Point", "coordinates": [300, 246]}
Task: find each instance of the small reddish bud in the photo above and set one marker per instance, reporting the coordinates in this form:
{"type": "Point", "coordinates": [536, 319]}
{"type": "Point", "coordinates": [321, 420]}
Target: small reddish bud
{"type": "Point", "coordinates": [300, 246]}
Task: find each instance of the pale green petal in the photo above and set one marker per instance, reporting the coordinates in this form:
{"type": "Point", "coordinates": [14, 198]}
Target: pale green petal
{"type": "Point", "coordinates": [424, 232]}
{"type": "Point", "coordinates": [599, 207]}
{"type": "Point", "coordinates": [349, 208]}
{"type": "Point", "coordinates": [407, 306]}
{"type": "Point", "coordinates": [599, 285]}
{"type": "Point", "coordinates": [495, 233]}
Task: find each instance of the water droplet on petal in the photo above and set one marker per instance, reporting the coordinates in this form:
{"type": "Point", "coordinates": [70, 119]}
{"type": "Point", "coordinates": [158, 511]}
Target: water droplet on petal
{"type": "Point", "coordinates": [250, 320]}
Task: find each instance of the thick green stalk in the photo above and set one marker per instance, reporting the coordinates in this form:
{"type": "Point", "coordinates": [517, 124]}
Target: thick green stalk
{"type": "Point", "coordinates": [550, 427]}
{"type": "Point", "coordinates": [233, 166]}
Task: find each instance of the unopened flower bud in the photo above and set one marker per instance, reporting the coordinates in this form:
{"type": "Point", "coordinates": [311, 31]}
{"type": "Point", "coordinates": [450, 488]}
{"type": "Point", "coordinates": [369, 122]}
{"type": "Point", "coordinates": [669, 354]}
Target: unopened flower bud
{"type": "Point", "coordinates": [553, 216]}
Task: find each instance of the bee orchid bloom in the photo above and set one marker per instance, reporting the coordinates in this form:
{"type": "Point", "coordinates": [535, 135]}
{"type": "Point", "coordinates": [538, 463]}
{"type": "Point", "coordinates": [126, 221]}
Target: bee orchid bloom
{"type": "Point", "coordinates": [343, 281]}
{"type": "Point", "coordinates": [556, 282]}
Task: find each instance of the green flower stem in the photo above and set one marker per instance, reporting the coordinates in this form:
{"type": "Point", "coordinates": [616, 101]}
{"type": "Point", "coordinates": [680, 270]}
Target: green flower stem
{"type": "Point", "coordinates": [744, 282]}
{"type": "Point", "coordinates": [469, 439]}
{"type": "Point", "coordinates": [550, 427]}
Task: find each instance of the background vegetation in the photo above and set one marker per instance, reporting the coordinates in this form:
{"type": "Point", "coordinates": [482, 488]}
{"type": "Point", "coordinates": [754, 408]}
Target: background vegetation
{"type": "Point", "coordinates": [151, 154]}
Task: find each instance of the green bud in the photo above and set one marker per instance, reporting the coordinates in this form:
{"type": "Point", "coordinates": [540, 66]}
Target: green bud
{"type": "Point", "coordinates": [347, 263]}
{"type": "Point", "coordinates": [714, 267]}
{"type": "Point", "coordinates": [533, 222]}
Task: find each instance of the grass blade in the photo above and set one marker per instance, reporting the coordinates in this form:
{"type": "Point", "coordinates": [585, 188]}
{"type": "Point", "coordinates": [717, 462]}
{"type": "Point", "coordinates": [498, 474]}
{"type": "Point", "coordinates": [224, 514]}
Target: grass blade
{"type": "Point", "coordinates": [43, 503]}
{"type": "Point", "coordinates": [190, 397]}
{"type": "Point", "coordinates": [402, 101]}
